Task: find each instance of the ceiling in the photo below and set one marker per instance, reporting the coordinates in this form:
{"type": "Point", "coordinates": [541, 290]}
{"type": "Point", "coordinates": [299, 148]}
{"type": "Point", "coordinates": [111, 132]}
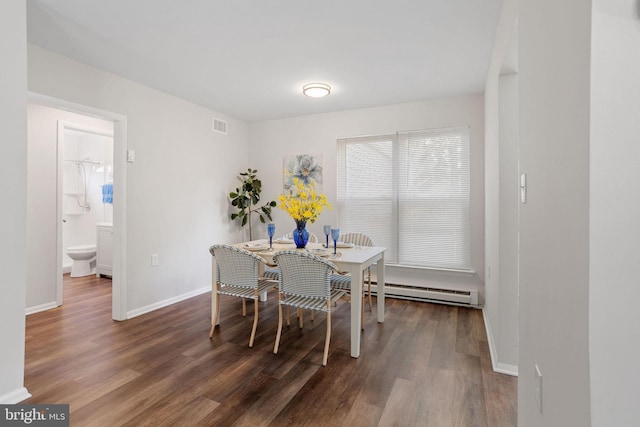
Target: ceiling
{"type": "Point", "coordinates": [250, 58]}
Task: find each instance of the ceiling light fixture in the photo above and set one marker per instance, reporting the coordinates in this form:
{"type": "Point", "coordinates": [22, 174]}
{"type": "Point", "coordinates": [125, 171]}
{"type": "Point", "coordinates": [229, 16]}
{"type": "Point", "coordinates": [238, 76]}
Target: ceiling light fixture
{"type": "Point", "coordinates": [316, 90]}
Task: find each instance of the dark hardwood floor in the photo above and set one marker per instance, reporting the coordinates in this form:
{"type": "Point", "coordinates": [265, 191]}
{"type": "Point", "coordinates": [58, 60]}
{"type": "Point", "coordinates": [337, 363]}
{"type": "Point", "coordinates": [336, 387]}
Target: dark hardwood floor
{"type": "Point", "coordinates": [426, 365]}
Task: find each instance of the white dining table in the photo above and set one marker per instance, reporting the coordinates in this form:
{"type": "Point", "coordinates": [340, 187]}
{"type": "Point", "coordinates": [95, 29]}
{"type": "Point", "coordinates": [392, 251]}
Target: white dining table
{"type": "Point", "coordinates": [351, 260]}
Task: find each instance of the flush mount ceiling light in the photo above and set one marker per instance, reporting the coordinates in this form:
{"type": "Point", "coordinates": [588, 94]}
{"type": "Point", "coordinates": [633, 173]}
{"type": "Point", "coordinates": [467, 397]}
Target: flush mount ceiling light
{"type": "Point", "coordinates": [316, 90]}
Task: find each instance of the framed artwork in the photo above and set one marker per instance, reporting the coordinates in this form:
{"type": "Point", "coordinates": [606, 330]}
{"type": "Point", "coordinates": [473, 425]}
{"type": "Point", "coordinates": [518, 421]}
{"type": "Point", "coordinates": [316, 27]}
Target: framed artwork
{"type": "Point", "coordinates": [306, 167]}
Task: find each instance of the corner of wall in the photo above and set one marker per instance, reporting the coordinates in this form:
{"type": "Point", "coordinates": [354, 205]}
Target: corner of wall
{"type": "Point", "coordinates": [15, 396]}
{"type": "Point", "coordinates": [499, 367]}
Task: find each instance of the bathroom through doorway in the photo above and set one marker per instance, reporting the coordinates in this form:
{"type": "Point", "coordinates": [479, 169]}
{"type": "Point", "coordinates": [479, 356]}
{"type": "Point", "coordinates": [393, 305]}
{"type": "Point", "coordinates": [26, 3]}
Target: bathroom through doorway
{"type": "Point", "coordinates": [93, 197]}
{"type": "Point", "coordinates": [85, 187]}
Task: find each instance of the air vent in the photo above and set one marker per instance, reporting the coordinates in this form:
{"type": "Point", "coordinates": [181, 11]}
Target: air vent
{"type": "Point", "coordinates": [219, 126]}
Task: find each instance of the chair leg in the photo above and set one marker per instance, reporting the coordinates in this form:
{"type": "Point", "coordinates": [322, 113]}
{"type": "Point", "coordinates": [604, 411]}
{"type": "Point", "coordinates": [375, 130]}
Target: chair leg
{"type": "Point", "coordinates": [300, 321]}
{"type": "Point", "coordinates": [327, 339]}
{"type": "Point", "coordinates": [216, 314]}
{"type": "Point", "coordinates": [244, 307]}
{"type": "Point", "coordinates": [275, 348]}
{"type": "Point", "coordinates": [288, 315]}
{"type": "Point", "coordinates": [255, 321]}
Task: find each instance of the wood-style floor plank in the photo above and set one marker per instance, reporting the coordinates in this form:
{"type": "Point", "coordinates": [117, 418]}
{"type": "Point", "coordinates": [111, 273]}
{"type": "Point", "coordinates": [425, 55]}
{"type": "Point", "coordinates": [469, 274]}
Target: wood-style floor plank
{"type": "Point", "coordinates": [426, 365]}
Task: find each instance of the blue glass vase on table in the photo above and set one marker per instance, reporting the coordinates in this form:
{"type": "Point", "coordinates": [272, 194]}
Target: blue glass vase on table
{"type": "Point", "coordinates": [303, 205]}
{"type": "Point", "coordinates": [300, 234]}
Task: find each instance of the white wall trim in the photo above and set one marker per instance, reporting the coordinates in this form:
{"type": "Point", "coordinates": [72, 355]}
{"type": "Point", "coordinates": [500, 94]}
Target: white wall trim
{"type": "Point", "coordinates": [501, 368]}
{"type": "Point", "coordinates": [160, 304]}
{"type": "Point", "coordinates": [15, 396]}
{"type": "Point", "coordinates": [42, 307]}
{"type": "Point", "coordinates": [504, 368]}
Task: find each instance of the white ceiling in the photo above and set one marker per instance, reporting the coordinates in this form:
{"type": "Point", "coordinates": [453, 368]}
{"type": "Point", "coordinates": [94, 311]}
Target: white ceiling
{"type": "Point", "coordinates": [250, 58]}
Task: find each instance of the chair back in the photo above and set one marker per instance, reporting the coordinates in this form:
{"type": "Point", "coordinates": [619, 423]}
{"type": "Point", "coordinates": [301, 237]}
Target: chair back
{"type": "Point", "coordinates": [304, 274]}
{"type": "Point", "coordinates": [236, 266]}
{"type": "Point", "coordinates": [357, 239]}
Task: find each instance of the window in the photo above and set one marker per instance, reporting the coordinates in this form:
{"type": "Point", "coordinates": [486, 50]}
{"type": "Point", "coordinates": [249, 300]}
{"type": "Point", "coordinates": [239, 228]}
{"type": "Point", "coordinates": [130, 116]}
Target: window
{"type": "Point", "coordinates": [410, 192]}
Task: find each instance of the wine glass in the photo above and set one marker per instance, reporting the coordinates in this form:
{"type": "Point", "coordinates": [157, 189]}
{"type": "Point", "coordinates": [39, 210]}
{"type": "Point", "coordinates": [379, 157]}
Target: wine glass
{"type": "Point", "coordinates": [271, 230]}
{"type": "Point", "coordinates": [327, 231]}
{"type": "Point", "coordinates": [335, 234]}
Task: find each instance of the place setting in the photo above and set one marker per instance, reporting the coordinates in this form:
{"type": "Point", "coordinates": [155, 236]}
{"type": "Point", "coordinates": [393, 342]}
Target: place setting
{"type": "Point", "coordinates": [256, 246]}
{"type": "Point", "coordinates": [335, 235]}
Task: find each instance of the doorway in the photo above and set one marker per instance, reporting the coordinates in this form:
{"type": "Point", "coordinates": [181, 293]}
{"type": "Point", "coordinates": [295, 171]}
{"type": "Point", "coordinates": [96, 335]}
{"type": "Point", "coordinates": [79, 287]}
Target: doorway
{"type": "Point", "coordinates": [119, 132]}
{"type": "Point", "coordinates": [84, 201]}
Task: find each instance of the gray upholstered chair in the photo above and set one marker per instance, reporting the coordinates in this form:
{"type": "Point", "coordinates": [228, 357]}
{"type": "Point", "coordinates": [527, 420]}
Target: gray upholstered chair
{"type": "Point", "coordinates": [343, 281]}
{"type": "Point", "coordinates": [237, 275]}
{"type": "Point", "coordinates": [305, 284]}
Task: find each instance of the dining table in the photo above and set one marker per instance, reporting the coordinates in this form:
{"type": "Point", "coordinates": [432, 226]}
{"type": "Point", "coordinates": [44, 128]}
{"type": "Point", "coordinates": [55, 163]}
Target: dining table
{"type": "Point", "coordinates": [349, 259]}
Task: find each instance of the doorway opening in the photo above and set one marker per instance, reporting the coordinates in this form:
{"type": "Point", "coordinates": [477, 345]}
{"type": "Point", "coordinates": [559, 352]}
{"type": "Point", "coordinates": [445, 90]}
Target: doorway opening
{"type": "Point", "coordinates": [85, 201]}
{"type": "Point", "coordinates": [85, 167]}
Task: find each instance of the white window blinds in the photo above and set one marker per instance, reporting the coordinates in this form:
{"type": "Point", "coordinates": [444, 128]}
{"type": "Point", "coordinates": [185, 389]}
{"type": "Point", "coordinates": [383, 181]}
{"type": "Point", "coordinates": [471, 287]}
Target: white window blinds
{"type": "Point", "coordinates": [409, 192]}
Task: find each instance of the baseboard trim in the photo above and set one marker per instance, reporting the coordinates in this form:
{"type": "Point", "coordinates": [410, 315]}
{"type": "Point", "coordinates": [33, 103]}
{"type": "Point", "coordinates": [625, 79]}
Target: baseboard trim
{"type": "Point", "coordinates": [504, 368]}
{"type": "Point", "coordinates": [15, 396]}
{"type": "Point", "coordinates": [41, 307]}
{"type": "Point", "coordinates": [501, 368]}
{"type": "Point", "coordinates": [160, 304]}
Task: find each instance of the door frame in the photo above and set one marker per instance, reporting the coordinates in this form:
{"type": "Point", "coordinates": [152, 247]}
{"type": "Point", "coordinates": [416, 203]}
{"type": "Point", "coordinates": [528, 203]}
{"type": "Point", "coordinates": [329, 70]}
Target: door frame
{"type": "Point", "coordinates": [119, 278]}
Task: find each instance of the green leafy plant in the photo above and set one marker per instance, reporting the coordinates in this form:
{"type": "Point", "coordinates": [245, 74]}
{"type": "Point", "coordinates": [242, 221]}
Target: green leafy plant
{"type": "Point", "coordinates": [246, 199]}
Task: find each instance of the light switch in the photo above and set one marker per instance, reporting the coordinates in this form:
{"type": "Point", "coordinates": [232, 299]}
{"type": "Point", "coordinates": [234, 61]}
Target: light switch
{"type": "Point", "coordinates": [131, 156]}
{"type": "Point", "coordinates": [523, 188]}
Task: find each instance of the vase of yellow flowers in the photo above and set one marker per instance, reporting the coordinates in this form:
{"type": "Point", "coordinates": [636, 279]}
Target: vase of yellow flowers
{"type": "Point", "coordinates": [303, 204]}
{"type": "Point", "coordinates": [300, 234]}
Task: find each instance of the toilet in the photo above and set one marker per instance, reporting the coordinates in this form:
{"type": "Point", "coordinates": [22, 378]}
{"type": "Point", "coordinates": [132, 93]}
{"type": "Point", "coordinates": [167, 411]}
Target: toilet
{"type": "Point", "coordinates": [84, 260]}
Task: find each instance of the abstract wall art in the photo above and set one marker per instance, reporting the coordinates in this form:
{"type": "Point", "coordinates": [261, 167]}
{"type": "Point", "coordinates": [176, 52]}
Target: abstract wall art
{"type": "Point", "coordinates": [305, 167]}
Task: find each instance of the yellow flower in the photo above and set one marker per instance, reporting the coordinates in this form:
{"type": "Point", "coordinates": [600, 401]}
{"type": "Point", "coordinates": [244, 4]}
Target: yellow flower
{"type": "Point", "coordinates": [306, 205]}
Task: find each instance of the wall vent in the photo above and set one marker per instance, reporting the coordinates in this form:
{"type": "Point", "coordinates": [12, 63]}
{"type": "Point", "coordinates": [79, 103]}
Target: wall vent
{"type": "Point", "coordinates": [219, 126]}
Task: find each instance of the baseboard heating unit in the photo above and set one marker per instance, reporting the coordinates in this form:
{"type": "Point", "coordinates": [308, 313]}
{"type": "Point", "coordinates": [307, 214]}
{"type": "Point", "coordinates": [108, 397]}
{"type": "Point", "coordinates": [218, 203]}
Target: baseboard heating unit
{"type": "Point", "coordinates": [420, 293]}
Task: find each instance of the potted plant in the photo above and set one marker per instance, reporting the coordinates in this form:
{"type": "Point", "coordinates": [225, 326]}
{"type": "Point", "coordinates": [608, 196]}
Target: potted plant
{"type": "Point", "coordinates": [246, 199]}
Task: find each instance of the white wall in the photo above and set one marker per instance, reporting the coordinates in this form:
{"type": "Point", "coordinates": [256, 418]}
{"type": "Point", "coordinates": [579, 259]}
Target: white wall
{"type": "Point", "coordinates": [614, 318]}
{"type": "Point", "coordinates": [41, 198]}
{"type": "Point", "coordinates": [177, 189]}
{"type": "Point", "coordinates": [509, 200]}
{"type": "Point", "coordinates": [13, 185]}
{"type": "Point", "coordinates": [272, 140]}
{"type": "Point", "coordinates": [554, 90]}
{"type": "Point", "coordinates": [501, 162]}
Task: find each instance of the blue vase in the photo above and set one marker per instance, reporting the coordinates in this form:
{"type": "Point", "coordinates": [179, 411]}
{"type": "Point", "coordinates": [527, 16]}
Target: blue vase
{"type": "Point", "coordinates": [300, 234]}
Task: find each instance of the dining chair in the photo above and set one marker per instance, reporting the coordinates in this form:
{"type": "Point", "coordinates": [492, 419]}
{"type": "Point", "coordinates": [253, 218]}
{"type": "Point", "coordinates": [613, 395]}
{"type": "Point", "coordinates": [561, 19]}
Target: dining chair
{"type": "Point", "coordinates": [272, 273]}
{"type": "Point", "coordinates": [343, 281]}
{"type": "Point", "coordinates": [237, 276]}
{"type": "Point", "coordinates": [305, 284]}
